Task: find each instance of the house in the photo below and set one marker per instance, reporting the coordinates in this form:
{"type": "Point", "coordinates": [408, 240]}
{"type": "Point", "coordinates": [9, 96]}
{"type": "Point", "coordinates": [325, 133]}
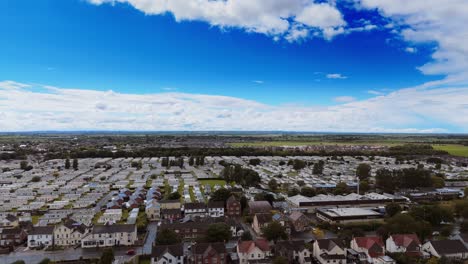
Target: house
{"type": "Point", "coordinates": [209, 253]}
{"type": "Point", "coordinates": [260, 221]}
{"type": "Point", "coordinates": [111, 235]}
{"type": "Point", "coordinates": [12, 236]}
{"type": "Point", "coordinates": [294, 251]}
{"type": "Point", "coordinates": [249, 251]}
{"type": "Point", "coordinates": [329, 251]}
{"type": "Point", "coordinates": [404, 243]}
{"type": "Point", "coordinates": [373, 247]}
{"type": "Point", "coordinates": [69, 233]}
{"type": "Point", "coordinates": [236, 227]}
{"type": "Point", "coordinates": [9, 221]}
{"type": "Point", "coordinates": [153, 210]}
{"type": "Point", "coordinates": [170, 204]}
{"type": "Point", "coordinates": [193, 210]}
{"type": "Point", "coordinates": [283, 220]}
{"type": "Point", "coordinates": [189, 230]}
{"type": "Point", "coordinates": [216, 209]}
{"type": "Point", "coordinates": [233, 207]}
{"type": "Point", "coordinates": [453, 249]}
{"type": "Point", "coordinates": [173, 254]}
{"type": "Point", "coordinates": [258, 207]}
{"type": "Point", "coordinates": [171, 214]}
{"type": "Point", "coordinates": [41, 236]}
{"type": "Point", "coordinates": [299, 221]}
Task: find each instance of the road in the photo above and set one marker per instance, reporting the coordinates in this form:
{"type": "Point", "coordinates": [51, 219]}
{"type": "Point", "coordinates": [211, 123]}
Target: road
{"type": "Point", "coordinates": [35, 256]}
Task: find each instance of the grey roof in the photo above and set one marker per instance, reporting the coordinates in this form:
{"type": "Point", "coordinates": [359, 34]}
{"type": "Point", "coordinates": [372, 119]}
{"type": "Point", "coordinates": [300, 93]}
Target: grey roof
{"type": "Point", "coordinates": [42, 230]}
{"type": "Point", "coordinates": [444, 247]}
{"type": "Point", "coordinates": [102, 229]}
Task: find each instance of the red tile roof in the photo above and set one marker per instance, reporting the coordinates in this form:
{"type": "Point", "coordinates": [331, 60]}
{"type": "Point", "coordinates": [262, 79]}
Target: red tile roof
{"type": "Point", "coordinates": [405, 240]}
{"type": "Point", "coordinates": [374, 245]}
{"type": "Point", "coordinates": [248, 246]}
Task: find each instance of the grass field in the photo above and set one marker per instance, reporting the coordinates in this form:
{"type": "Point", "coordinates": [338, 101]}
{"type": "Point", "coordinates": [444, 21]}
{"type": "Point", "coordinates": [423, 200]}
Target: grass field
{"type": "Point", "coordinates": [308, 143]}
{"type": "Point", "coordinates": [212, 183]}
{"type": "Point", "coordinates": [456, 150]}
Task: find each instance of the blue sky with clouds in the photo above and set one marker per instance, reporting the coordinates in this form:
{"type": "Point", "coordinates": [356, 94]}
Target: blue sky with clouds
{"type": "Point", "coordinates": [363, 65]}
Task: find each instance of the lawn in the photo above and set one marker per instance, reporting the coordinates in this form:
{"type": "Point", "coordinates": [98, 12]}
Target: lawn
{"type": "Point", "coordinates": [212, 183]}
{"type": "Point", "coordinates": [308, 143]}
{"type": "Point", "coordinates": [456, 150]}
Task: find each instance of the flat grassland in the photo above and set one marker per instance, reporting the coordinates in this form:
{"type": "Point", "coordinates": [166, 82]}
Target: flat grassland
{"type": "Point", "coordinates": [307, 143]}
{"type": "Point", "coordinates": [456, 150]}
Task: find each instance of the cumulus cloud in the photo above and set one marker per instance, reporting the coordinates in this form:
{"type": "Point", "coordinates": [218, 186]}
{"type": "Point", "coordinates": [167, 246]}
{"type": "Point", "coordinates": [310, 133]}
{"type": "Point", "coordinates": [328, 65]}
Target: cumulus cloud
{"type": "Point", "coordinates": [336, 76]}
{"type": "Point", "coordinates": [290, 19]}
{"type": "Point", "coordinates": [442, 23]}
{"type": "Point", "coordinates": [53, 108]}
{"type": "Point", "coordinates": [344, 99]}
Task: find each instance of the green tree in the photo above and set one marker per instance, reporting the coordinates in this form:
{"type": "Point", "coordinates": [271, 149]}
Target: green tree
{"type": "Point", "coordinates": [167, 237]}
{"type": "Point", "coordinates": [75, 164]}
{"type": "Point", "coordinates": [384, 180]}
{"type": "Point", "coordinates": [465, 191]}
{"type": "Point", "coordinates": [341, 188]}
{"type": "Point", "coordinates": [274, 231]}
{"type": "Point", "coordinates": [254, 162]}
{"type": "Point", "coordinates": [67, 164]}
{"type": "Point", "coordinates": [308, 191]}
{"type": "Point", "coordinates": [19, 262]}
{"type": "Point", "coordinates": [280, 260]}
{"type": "Point", "coordinates": [107, 256]}
{"type": "Point", "coordinates": [273, 185]}
{"type": "Point", "coordinates": [191, 161]}
{"type": "Point", "coordinates": [392, 209]}
{"type": "Point", "coordinates": [246, 236]}
{"type": "Point", "coordinates": [437, 182]}
{"type": "Point", "coordinates": [318, 167]}
{"type": "Point", "coordinates": [293, 192]}
{"type": "Point", "coordinates": [45, 261]}
{"type": "Point", "coordinates": [221, 195]}
{"type": "Point", "coordinates": [36, 179]}
{"type": "Point", "coordinates": [363, 171]}
{"type": "Point", "coordinates": [218, 232]}
{"type": "Point", "coordinates": [23, 165]}
{"type": "Point", "coordinates": [174, 196]}
{"type": "Point", "coordinates": [364, 186]}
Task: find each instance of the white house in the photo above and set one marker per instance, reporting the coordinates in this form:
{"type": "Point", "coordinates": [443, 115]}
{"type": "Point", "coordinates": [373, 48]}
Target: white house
{"type": "Point", "coordinates": [41, 236]}
{"type": "Point", "coordinates": [216, 209]}
{"type": "Point", "coordinates": [173, 254]}
{"type": "Point", "coordinates": [454, 249]}
{"type": "Point", "coordinates": [329, 251]}
{"type": "Point", "coordinates": [69, 233]}
{"type": "Point", "coordinates": [195, 210]}
{"type": "Point", "coordinates": [110, 235]}
{"type": "Point", "coordinates": [403, 243]}
{"type": "Point", "coordinates": [253, 250]}
{"type": "Point", "coordinates": [110, 216]}
{"type": "Point", "coordinates": [153, 210]}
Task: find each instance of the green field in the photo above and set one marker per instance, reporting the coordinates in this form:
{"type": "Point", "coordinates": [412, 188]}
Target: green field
{"type": "Point", "coordinates": [309, 143]}
{"type": "Point", "coordinates": [456, 150]}
{"type": "Point", "coordinates": [212, 183]}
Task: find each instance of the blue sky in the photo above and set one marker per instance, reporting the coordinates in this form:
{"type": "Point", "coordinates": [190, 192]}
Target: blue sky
{"type": "Point", "coordinates": [154, 48]}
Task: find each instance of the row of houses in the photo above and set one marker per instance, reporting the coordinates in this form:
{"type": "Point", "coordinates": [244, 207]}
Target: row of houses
{"type": "Point", "coordinates": [173, 209]}
{"type": "Point", "coordinates": [72, 233]}
{"type": "Point", "coordinates": [323, 251]}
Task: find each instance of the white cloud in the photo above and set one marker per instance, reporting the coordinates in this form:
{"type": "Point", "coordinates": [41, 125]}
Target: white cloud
{"type": "Point", "coordinates": [10, 85]}
{"type": "Point", "coordinates": [410, 49]}
{"type": "Point", "coordinates": [407, 110]}
{"type": "Point", "coordinates": [374, 92]}
{"type": "Point", "coordinates": [442, 23]}
{"type": "Point", "coordinates": [344, 99]}
{"type": "Point", "coordinates": [336, 76]}
{"type": "Point", "coordinates": [276, 18]}
{"type": "Point", "coordinates": [258, 82]}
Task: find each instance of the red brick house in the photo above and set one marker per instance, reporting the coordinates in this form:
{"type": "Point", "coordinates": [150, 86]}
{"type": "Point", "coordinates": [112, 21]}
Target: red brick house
{"type": "Point", "coordinates": [233, 207]}
{"type": "Point", "coordinates": [209, 253]}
